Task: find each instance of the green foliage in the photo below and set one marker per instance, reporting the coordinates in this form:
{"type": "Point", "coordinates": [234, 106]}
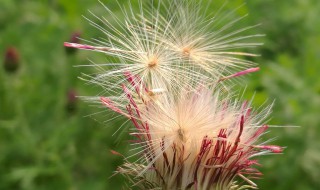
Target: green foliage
{"type": "Point", "coordinates": [43, 145]}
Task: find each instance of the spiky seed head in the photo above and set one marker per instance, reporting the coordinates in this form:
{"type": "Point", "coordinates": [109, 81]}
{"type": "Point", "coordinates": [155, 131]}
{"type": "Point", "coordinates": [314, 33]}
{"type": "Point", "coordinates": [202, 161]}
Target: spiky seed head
{"type": "Point", "coordinates": [166, 47]}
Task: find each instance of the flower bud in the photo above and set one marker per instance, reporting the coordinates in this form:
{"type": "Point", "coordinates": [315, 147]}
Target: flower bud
{"type": "Point", "coordinates": [11, 59]}
{"type": "Point", "coordinates": [71, 101]}
{"type": "Point", "coordinates": [73, 39]}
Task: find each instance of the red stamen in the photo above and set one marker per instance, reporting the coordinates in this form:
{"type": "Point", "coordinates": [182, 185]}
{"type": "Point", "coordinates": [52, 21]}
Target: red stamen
{"type": "Point", "coordinates": [129, 96]}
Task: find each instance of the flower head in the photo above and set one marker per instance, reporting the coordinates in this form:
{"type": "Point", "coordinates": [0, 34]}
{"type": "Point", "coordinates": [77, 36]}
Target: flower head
{"type": "Point", "coordinates": [197, 140]}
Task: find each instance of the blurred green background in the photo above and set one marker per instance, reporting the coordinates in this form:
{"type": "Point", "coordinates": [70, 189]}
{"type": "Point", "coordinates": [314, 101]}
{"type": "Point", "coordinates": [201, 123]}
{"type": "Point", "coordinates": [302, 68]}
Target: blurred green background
{"type": "Point", "coordinates": [47, 142]}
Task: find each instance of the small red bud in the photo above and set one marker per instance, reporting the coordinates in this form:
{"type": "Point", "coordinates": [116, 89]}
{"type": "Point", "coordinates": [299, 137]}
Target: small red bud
{"type": "Point", "coordinates": [71, 101]}
{"type": "Point", "coordinates": [73, 39]}
{"type": "Point", "coordinates": [11, 59]}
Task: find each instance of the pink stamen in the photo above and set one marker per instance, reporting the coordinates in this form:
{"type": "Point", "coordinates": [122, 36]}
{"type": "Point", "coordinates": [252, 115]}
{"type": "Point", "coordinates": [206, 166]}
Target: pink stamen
{"type": "Point", "coordinates": [109, 104]}
{"type": "Point", "coordinates": [251, 70]}
{"type": "Point", "coordinates": [240, 131]}
{"type": "Point", "coordinates": [133, 120]}
{"type": "Point", "coordinates": [248, 113]}
{"type": "Point", "coordinates": [252, 162]}
{"type": "Point", "coordinates": [130, 97]}
{"type": "Point", "coordinates": [272, 148]}
{"type": "Point", "coordinates": [257, 134]}
{"type": "Point", "coordinates": [135, 82]}
{"type": "Point", "coordinates": [79, 46]}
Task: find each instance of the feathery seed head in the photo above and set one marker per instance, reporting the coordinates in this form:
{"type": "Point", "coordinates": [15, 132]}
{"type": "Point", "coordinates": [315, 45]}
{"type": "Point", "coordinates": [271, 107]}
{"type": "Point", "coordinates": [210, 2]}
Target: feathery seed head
{"type": "Point", "coordinates": [204, 41]}
{"type": "Point", "coordinates": [167, 48]}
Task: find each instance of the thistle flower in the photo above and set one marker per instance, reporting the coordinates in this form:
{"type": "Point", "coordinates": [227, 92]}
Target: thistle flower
{"type": "Point", "coordinates": [169, 65]}
{"type": "Point", "coordinates": [198, 140]}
